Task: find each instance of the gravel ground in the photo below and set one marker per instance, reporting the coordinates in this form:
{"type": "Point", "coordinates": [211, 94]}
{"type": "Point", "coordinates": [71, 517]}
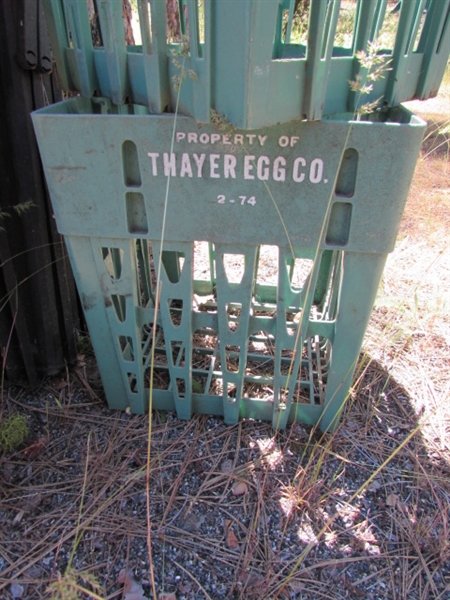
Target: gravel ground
{"type": "Point", "coordinates": [236, 512]}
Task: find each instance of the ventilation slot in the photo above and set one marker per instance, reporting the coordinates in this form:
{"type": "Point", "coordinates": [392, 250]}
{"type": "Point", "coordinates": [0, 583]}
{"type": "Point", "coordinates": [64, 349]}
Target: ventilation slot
{"type": "Point", "coordinates": [119, 303]}
{"type": "Point", "coordinates": [300, 272]}
{"type": "Point", "coordinates": [234, 265]}
{"type": "Point", "coordinates": [126, 347]}
{"type": "Point", "coordinates": [339, 225]}
{"type": "Point", "coordinates": [136, 213]}
{"type": "Point", "coordinates": [176, 311]}
{"type": "Point", "coordinates": [346, 181]}
{"type": "Point", "coordinates": [131, 169]}
{"type": "Point", "coordinates": [113, 259]}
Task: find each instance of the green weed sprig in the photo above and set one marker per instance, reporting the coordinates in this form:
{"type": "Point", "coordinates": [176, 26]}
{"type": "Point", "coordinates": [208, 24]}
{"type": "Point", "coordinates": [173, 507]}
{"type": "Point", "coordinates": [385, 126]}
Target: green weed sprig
{"type": "Point", "coordinates": [72, 583]}
{"type": "Point", "coordinates": [19, 209]}
{"type": "Point", "coordinates": [13, 432]}
{"type": "Point", "coordinates": [182, 51]}
{"type": "Point", "coordinates": [373, 68]}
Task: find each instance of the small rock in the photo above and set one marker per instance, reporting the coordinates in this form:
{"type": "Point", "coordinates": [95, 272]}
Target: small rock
{"type": "Point", "coordinates": [226, 466]}
{"type": "Point", "coordinates": [16, 590]}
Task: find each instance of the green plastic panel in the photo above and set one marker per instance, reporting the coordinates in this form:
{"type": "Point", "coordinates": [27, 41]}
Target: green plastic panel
{"type": "Point", "coordinates": [246, 60]}
{"type": "Point", "coordinates": [227, 186]}
{"type": "Point", "coordinates": [241, 351]}
{"type": "Point", "coordinates": [275, 241]}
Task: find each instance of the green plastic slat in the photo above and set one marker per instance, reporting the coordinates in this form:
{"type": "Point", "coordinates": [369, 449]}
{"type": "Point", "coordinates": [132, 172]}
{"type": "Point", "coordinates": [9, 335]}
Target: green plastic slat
{"type": "Point", "coordinates": [56, 25]}
{"type": "Point", "coordinates": [290, 5]}
{"type": "Point", "coordinates": [287, 300]}
{"type": "Point", "coordinates": [200, 55]}
{"type": "Point", "coordinates": [322, 27]}
{"type": "Point", "coordinates": [148, 69]}
{"type": "Point", "coordinates": [435, 47]}
{"type": "Point", "coordinates": [359, 286]}
{"type": "Point", "coordinates": [242, 61]}
{"type": "Point", "coordinates": [111, 63]}
{"type": "Point", "coordinates": [378, 19]}
{"type": "Point", "coordinates": [233, 332]}
{"type": "Point", "coordinates": [316, 64]}
{"type": "Point", "coordinates": [80, 53]}
{"type": "Point", "coordinates": [365, 17]}
{"type": "Point", "coordinates": [84, 260]}
{"type": "Point", "coordinates": [399, 69]}
{"type": "Point", "coordinates": [143, 274]}
{"type": "Point", "coordinates": [176, 318]}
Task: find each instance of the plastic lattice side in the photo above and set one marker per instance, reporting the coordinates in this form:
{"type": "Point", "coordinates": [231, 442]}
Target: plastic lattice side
{"type": "Point", "coordinates": [257, 62]}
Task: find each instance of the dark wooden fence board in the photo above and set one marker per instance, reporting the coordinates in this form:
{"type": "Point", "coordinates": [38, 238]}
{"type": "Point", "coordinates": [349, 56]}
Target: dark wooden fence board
{"type": "Point", "coordinates": [39, 307]}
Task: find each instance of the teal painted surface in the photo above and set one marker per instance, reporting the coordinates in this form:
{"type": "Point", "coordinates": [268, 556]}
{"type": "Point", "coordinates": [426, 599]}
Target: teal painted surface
{"type": "Point", "coordinates": [297, 163]}
{"type": "Point", "coordinates": [240, 60]}
{"type": "Point", "coordinates": [279, 350]}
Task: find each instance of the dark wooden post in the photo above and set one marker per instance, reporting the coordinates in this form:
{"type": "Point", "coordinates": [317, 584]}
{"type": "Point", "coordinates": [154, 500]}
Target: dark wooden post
{"type": "Point", "coordinates": [38, 302]}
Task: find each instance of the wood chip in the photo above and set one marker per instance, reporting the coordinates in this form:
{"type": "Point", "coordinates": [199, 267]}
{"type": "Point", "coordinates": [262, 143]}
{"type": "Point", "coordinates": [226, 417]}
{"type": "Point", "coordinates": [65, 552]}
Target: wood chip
{"type": "Point", "coordinates": [239, 488]}
{"type": "Point", "coordinates": [231, 539]}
